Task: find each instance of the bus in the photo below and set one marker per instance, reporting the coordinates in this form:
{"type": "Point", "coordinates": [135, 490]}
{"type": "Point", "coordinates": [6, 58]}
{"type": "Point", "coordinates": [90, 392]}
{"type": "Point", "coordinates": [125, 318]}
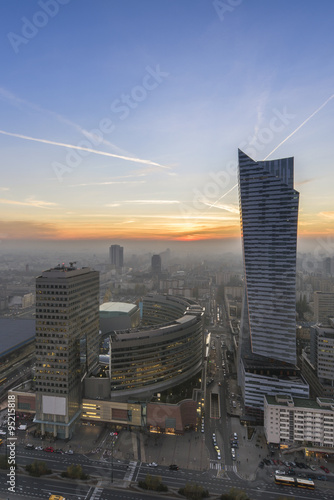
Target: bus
{"type": "Point", "coordinates": [288, 481]}
{"type": "Point", "coordinates": [305, 483]}
{"type": "Point", "coordinates": [291, 481]}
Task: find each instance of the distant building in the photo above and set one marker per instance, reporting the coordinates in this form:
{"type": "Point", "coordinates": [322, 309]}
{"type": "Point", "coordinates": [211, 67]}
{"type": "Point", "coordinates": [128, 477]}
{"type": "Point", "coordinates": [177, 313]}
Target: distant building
{"type": "Point", "coordinates": [289, 420]}
{"type": "Point", "coordinates": [156, 264]}
{"type": "Point", "coordinates": [67, 337]}
{"type": "Point", "coordinates": [323, 307]}
{"type": "Point", "coordinates": [116, 256]}
{"type": "Point", "coordinates": [267, 348]}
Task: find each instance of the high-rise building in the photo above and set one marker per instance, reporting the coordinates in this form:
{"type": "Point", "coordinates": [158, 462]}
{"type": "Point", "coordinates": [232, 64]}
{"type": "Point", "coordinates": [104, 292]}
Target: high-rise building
{"type": "Point", "coordinates": [116, 256]}
{"type": "Point", "coordinates": [156, 264]}
{"type": "Point", "coordinates": [269, 213]}
{"type": "Point", "coordinates": [323, 307]}
{"type": "Point", "coordinates": [67, 331]}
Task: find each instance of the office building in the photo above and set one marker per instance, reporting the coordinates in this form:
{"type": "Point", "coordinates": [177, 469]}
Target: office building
{"type": "Point", "coordinates": [156, 264]}
{"type": "Point", "coordinates": [323, 307]}
{"type": "Point", "coordinates": [67, 331]}
{"type": "Point", "coordinates": [268, 213]}
{"type": "Point", "coordinates": [116, 256]}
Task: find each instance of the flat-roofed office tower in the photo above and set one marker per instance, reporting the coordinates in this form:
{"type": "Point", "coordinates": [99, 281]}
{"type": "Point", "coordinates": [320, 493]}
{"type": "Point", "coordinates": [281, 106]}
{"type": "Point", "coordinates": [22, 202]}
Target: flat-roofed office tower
{"type": "Point", "coordinates": [67, 331]}
{"type": "Point", "coordinates": [268, 213]}
{"type": "Point", "coordinates": [116, 256]}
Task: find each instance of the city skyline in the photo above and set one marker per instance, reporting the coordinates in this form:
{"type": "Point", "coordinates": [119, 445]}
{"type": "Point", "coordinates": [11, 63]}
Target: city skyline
{"type": "Point", "coordinates": [125, 125]}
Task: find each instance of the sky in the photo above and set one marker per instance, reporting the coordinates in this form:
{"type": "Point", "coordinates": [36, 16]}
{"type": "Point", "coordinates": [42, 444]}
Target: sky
{"type": "Point", "coordinates": [122, 119]}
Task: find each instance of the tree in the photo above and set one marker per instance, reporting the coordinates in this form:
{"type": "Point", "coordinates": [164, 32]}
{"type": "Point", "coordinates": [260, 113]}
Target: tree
{"type": "Point", "coordinates": [194, 492]}
{"type": "Point", "coordinates": [38, 469]}
{"type": "Point", "coordinates": [235, 494]}
{"type": "Point", "coordinates": [75, 472]}
{"type": "Point", "coordinates": [152, 483]}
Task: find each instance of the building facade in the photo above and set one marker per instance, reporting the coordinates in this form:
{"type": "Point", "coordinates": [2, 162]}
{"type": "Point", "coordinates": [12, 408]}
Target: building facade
{"type": "Point", "coordinates": [268, 216]}
{"type": "Point", "coordinates": [67, 330]}
{"type": "Point", "coordinates": [323, 307]}
{"type": "Point", "coordinates": [116, 256]}
{"type": "Point", "coordinates": [292, 420]}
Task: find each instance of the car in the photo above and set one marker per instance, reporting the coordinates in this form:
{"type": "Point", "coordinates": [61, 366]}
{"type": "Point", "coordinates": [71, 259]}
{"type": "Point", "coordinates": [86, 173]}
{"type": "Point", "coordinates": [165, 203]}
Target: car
{"type": "Point", "coordinates": [280, 472]}
{"type": "Point", "coordinates": [287, 464]}
{"type": "Point", "coordinates": [58, 450]}
{"type": "Point", "coordinates": [275, 462]}
{"type": "Point", "coordinates": [218, 456]}
{"type": "Point", "coordinates": [49, 449]}
{"type": "Point", "coordinates": [216, 447]}
{"type": "Point", "coordinates": [324, 469]}
{"type": "Point", "coordinates": [29, 447]}
{"type": "Point", "coordinates": [69, 452]}
{"type": "Point", "coordinates": [313, 467]}
{"type": "Point", "coordinates": [40, 448]}
{"type": "Point", "coordinates": [234, 444]}
{"type": "Point", "coordinates": [291, 472]}
{"type": "Point", "coordinates": [235, 436]}
{"type": "Point", "coordinates": [202, 429]}
{"type": "Point", "coordinates": [280, 462]}
{"type": "Point", "coordinates": [173, 467]}
{"type": "Point", "coordinates": [293, 464]}
{"type": "Point", "coordinates": [322, 478]}
{"type": "Point", "coordinates": [152, 464]}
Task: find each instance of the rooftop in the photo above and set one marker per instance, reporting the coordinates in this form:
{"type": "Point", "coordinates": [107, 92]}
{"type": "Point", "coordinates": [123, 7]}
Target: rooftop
{"type": "Point", "coordinates": [14, 333]}
{"type": "Point", "coordinates": [117, 307]}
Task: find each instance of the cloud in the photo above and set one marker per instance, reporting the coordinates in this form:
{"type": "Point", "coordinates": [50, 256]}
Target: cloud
{"type": "Point", "coordinates": [30, 202]}
{"type": "Point", "coordinates": [27, 230]}
{"type": "Point", "coordinates": [329, 215]}
{"type": "Point", "coordinates": [153, 202]}
{"type": "Point", "coordinates": [306, 181]}
{"type": "Point", "coordinates": [301, 125]}
{"type": "Point", "coordinates": [106, 183]}
{"type": "Point", "coordinates": [4, 189]}
{"type": "Point", "coordinates": [229, 208]}
{"type": "Point", "coordinates": [80, 148]}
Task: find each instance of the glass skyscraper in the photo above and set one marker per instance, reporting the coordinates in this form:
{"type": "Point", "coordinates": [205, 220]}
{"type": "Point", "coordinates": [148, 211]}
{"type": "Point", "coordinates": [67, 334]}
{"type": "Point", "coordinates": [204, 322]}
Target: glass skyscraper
{"type": "Point", "coordinates": [269, 214]}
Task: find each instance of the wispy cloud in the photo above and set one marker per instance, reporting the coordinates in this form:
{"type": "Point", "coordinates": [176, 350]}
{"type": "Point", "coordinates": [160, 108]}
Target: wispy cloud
{"type": "Point", "coordinates": [329, 215]}
{"type": "Point", "coordinates": [80, 148]}
{"type": "Point", "coordinates": [153, 202]}
{"type": "Point", "coordinates": [301, 125]}
{"type": "Point", "coordinates": [4, 189]}
{"type": "Point", "coordinates": [30, 202]}
{"type": "Point", "coordinates": [106, 183]}
{"type": "Point", "coordinates": [229, 208]}
{"type": "Point", "coordinates": [306, 181]}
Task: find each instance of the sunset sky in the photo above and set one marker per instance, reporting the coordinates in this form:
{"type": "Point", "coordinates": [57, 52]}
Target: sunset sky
{"type": "Point", "coordinates": [122, 119]}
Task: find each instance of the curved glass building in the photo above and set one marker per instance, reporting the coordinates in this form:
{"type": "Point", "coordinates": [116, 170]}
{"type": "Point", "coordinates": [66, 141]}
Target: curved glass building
{"type": "Point", "coordinates": [161, 355]}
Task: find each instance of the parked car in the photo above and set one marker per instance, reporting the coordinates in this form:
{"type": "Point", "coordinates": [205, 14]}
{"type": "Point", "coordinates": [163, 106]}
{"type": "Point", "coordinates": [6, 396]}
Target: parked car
{"type": "Point", "coordinates": [235, 436]}
{"type": "Point", "coordinates": [49, 449]}
{"type": "Point", "coordinates": [29, 447]}
{"type": "Point", "coordinates": [322, 478]}
{"type": "Point", "coordinates": [324, 469]}
{"type": "Point", "coordinates": [173, 467]}
{"type": "Point", "coordinates": [313, 467]}
{"type": "Point", "coordinates": [153, 464]}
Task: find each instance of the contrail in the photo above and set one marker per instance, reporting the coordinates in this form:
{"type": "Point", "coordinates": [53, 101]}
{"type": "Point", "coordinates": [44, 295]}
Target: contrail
{"type": "Point", "coordinates": [301, 125]}
{"type": "Point", "coordinates": [89, 150]}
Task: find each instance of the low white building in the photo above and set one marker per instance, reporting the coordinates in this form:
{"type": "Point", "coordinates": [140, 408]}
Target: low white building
{"type": "Point", "coordinates": [297, 420]}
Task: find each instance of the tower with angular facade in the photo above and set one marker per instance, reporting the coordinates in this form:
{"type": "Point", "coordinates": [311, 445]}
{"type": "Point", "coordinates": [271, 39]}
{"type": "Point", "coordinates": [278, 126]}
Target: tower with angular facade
{"type": "Point", "coordinates": [269, 215]}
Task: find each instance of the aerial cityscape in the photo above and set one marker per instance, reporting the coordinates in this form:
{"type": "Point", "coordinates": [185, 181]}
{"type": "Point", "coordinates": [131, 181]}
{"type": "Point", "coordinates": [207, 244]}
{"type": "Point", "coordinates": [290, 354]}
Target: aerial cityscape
{"type": "Point", "coordinates": [167, 250]}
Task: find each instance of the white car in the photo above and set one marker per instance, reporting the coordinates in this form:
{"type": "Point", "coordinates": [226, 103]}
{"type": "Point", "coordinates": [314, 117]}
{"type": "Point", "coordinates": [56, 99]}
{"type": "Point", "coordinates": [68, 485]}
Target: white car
{"type": "Point", "coordinates": [235, 436]}
{"type": "Point", "coordinates": [312, 467]}
{"type": "Point", "coordinates": [153, 464]}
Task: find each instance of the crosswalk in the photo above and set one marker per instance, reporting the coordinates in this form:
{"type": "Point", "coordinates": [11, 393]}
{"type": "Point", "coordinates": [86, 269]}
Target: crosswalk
{"type": "Point", "coordinates": [96, 495]}
{"type": "Point", "coordinates": [130, 471]}
{"type": "Point", "coordinates": [214, 464]}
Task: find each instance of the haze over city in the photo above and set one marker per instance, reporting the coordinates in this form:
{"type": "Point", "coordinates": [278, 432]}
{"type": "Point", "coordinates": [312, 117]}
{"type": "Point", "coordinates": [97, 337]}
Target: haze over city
{"type": "Point", "coordinates": [122, 120]}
